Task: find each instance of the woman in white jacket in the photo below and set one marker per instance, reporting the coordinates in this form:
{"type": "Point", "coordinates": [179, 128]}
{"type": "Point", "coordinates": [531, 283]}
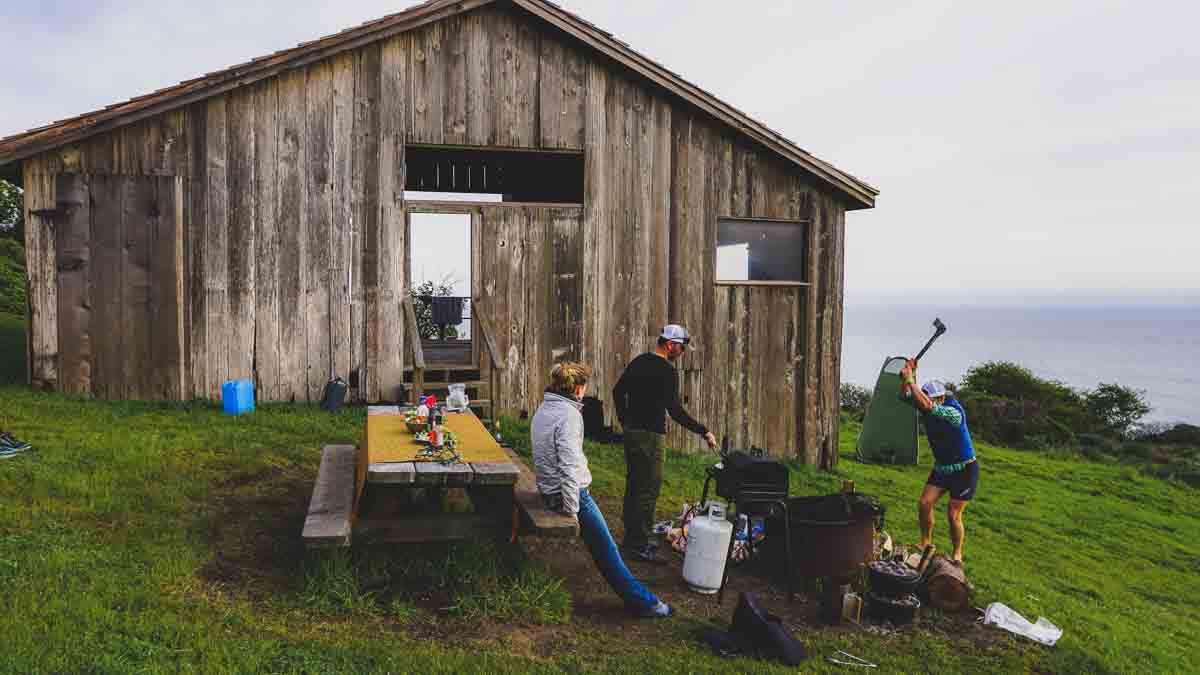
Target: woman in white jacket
{"type": "Point", "coordinates": [563, 480]}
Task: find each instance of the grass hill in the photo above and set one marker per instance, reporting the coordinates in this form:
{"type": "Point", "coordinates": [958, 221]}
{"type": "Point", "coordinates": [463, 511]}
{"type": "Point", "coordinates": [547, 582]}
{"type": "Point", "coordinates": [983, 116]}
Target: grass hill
{"type": "Point", "coordinates": [164, 538]}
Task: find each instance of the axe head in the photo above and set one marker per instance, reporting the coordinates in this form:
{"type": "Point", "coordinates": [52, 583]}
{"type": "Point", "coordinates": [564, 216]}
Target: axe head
{"type": "Point", "coordinates": [938, 326]}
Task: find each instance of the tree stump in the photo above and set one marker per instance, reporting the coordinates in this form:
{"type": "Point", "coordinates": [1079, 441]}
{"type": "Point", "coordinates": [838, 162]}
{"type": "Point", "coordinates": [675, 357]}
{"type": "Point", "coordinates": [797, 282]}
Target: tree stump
{"type": "Point", "coordinates": [946, 585]}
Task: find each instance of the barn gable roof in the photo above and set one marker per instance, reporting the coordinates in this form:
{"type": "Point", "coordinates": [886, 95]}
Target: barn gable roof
{"type": "Point", "coordinates": [64, 132]}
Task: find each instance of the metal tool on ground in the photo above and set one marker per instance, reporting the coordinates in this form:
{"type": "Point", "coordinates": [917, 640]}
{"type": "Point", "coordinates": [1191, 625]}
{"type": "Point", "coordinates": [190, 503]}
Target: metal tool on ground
{"type": "Point", "coordinates": [854, 660]}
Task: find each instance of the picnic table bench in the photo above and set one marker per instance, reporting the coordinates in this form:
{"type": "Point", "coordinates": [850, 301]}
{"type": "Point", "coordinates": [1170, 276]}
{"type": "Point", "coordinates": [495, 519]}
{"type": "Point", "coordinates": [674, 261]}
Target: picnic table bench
{"type": "Point", "coordinates": [352, 480]}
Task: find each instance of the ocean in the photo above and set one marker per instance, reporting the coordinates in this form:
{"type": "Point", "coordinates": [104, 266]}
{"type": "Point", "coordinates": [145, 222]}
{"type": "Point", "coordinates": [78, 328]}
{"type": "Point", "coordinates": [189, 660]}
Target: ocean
{"type": "Point", "coordinates": [1155, 349]}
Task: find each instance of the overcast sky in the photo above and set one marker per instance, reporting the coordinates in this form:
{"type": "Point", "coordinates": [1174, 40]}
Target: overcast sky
{"type": "Point", "coordinates": [1018, 146]}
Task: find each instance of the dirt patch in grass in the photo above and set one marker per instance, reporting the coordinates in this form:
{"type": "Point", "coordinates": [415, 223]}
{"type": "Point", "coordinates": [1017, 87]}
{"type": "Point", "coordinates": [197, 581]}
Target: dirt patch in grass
{"type": "Point", "coordinates": [255, 520]}
{"type": "Point", "coordinates": [253, 529]}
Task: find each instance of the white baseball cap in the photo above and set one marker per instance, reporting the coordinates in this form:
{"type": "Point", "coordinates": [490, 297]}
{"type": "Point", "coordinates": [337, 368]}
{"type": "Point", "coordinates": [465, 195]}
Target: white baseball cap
{"type": "Point", "coordinates": [675, 333]}
{"type": "Point", "coordinates": [934, 388]}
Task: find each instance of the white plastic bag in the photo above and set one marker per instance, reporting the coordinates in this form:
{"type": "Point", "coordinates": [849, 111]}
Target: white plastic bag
{"type": "Point", "coordinates": [1001, 615]}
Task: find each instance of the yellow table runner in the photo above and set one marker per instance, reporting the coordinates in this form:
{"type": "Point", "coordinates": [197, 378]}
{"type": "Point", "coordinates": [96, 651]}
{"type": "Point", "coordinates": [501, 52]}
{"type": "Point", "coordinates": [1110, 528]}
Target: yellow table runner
{"type": "Point", "coordinates": [389, 440]}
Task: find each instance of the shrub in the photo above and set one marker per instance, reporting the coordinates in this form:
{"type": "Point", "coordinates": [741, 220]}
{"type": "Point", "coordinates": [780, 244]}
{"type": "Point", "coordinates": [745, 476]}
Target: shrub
{"type": "Point", "coordinates": [1117, 409]}
{"type": "Point", "coordinates": [1008, 404]}
{"type": "Point", "coordinates": [854, 399]}
{"type": "Point", "coordinates": [12, 276]}
{"type": "Point", "coordinates": [1179, 434]}
{"type": "Point", "coordinates": [423, 310]}
{"type": "Point", "coordinates": [10, 209]}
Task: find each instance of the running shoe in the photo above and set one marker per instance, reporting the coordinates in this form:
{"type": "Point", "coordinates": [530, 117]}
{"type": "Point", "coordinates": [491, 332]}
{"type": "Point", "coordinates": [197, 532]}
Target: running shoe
{"type": "Point", "coordinates": [8, 442]}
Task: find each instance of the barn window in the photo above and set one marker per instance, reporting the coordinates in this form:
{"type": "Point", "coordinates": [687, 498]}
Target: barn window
{"type": "Point", "coordinates": [760, 251]}
{"type": "Point", "coordinates": [507, 175]}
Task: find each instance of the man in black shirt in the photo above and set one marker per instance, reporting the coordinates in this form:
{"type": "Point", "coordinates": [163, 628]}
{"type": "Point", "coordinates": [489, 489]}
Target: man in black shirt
{"type": "Point", "coordinates": [647, 391]}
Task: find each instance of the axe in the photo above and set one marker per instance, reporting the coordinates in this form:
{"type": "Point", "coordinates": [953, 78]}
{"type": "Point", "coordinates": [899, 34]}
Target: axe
{"type": "Point", "coordinates": [938, 329]}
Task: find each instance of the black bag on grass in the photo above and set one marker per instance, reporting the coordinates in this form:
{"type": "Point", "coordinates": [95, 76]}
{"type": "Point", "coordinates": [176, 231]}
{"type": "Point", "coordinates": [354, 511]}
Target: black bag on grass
{"type": "Point", "coordinates": [334, 395]}
{"type": "Point", "coordinates": [755, 632]}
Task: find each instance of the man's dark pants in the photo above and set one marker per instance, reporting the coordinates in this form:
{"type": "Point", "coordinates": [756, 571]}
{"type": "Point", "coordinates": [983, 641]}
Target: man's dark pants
{"type": "Point", "coordinates": [643, 480]}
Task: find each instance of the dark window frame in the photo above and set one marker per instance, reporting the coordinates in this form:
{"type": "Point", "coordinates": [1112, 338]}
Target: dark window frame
{"type": "Point", "coordinates": [521, 175]}
{"type": "Point", "coordinates": [803, 264]}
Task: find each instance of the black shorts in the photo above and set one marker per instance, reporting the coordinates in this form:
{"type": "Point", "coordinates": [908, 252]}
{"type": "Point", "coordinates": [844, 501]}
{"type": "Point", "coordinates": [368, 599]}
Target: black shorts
{"type": "Point", "coordinates": [960, 484]}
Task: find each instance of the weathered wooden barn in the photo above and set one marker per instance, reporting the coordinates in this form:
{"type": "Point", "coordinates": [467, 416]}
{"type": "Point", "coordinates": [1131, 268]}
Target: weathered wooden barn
{"type": "Point", "coordinates": [252, 223]}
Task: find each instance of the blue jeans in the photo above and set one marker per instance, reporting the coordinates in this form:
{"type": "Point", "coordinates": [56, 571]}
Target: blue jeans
{"type": "Point", "coordinates": [599, 541]}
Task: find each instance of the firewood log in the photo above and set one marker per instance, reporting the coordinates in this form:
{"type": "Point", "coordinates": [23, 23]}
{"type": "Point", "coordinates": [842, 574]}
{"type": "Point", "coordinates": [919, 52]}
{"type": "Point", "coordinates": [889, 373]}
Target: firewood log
{"type": "Point", "coordinates": [946, 585]}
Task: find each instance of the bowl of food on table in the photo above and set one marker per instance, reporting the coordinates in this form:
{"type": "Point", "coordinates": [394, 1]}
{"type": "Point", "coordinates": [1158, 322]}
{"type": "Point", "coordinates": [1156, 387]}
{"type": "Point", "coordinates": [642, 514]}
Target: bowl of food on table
{"type": "Point", "coordinates": [416, 423]}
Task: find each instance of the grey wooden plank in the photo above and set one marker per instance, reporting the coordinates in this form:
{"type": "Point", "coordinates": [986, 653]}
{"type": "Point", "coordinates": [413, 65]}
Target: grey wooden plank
{"type": "Point", "coordinates": [594, 256]}
{"type": "Point", "coordinates": [495, 473]}
{"type": "Point", "coordinates": [136, 321]}
{"type": "Point", "coordinates": [550, 96]}
{"type": "Point", "coordinates": [382, 410]}
{"type": "Point", "coordinates": [392, 473]}
{"type": "Point", "coordinates": [418, 352]}
{"type": "Point", "coordinates": [197, 226]}
{"type": "Point", "coordinates": [428, 90]}
{"type": "Point", "coordinates": [293, 240]}
{"type": "Point", "coordinates": [41, 276]}
{"type": "Point", "coordinates": [453, 72]}
{"type": "Point", "coordinates": [242, 234]}
{"type": "Point", "coordinates": [266, 241]}
{"type": "Point", "coordinates": [515, 57]}
{"type": "Point", "coordinates": [318, 171]}
{"type": "Point", "coordinates": [166, 291]}
{"type": "Point", "coordinates": [330, 511]}
{"type": "Point", "coordinates": [536, 518]}
{"type": "Point", "coordinates": [216, 249]}
{"type": "Point", "coordinates": [106, 280]}
{"type": "Point", "coordinates": [450, 475]}
{"type": "Point", "coordinates": [394, 94]}
{"type": "Point", "coordinates": [343, 202]}
{"type": "Point", "coordinates": [480, 97]}
{"type": "Point", "coordinates": [367, 86]}
{"type": "Point", "coordinates": [74, 274]}
{"type": "Point", "coordinates": [539, 302]}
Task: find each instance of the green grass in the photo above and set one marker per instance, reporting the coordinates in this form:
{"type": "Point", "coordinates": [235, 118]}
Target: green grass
{"type": "Point", "coordinates": [165, 538]}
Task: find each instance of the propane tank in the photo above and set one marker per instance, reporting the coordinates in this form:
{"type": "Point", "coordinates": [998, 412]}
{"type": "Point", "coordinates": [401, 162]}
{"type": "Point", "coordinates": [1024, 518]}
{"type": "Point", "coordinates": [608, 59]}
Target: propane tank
{"type": "Point", "coordinates": [707, 549]}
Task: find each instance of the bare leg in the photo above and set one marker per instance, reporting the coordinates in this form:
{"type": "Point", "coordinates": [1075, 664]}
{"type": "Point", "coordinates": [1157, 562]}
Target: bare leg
{"type": "Point", "coordinates": [958, 534]}
{"type": "Point", "coordinates": [928, 499]}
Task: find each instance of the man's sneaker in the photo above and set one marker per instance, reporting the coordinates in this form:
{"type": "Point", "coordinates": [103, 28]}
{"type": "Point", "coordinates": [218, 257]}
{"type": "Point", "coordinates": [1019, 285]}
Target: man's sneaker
{"type": "Point", "coordinates": [660, 611]}
{"type": "Point", "coordinates": [7, 442]}
{"type": "Point", "coordinates": [647, 553]}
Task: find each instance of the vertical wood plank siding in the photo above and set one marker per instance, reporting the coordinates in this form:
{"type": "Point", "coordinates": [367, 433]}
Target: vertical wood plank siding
{"type": "Point", "coordinates": [243, 220]}
{"type": "Point", "coordinates": [293, 250]}
{"type": "Point", "coordinates": [393, 97]}
{"type": "Point", "coordinates": [266, 241]}
{"type": "Point", "coordinates": [319, 222]}
{"type": "Point", "coordinates": [292, 233]}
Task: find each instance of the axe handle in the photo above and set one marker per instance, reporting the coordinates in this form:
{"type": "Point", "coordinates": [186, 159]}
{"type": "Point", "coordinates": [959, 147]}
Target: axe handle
{"type": "Point", "coordinates": [927, 345]}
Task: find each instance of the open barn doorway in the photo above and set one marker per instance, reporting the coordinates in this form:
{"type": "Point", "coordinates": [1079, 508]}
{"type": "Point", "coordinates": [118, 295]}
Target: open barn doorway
{"type": "Point", "coordinates": [441, 264]}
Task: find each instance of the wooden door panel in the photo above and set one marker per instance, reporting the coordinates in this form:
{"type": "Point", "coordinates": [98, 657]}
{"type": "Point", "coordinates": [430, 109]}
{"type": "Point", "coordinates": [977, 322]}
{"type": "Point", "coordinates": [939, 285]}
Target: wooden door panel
{"type": "Point", "coordinates": [121, 286]}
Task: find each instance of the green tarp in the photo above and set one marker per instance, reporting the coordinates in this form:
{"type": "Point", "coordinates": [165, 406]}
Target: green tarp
{"type": "Point", "coordinates": [889, 432]}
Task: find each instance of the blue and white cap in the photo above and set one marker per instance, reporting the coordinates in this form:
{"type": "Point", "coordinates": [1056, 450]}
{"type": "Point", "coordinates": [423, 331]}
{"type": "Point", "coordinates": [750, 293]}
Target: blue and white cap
{"type": "Point", "coordinates": [934, 388]}
{"type": "Point", "coordinates": [675, 333]}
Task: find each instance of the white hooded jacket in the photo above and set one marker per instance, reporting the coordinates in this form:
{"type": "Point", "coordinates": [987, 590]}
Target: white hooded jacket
{"type": "Point", "coordinates": [558, 459]}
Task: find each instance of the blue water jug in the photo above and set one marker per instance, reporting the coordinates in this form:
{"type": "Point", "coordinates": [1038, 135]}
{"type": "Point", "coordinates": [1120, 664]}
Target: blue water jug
{"type": "Point", "coordinates": [238, 397]}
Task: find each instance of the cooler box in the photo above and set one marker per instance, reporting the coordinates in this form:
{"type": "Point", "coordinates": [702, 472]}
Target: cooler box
{"type": "Point", "coordinates": [237, 396]}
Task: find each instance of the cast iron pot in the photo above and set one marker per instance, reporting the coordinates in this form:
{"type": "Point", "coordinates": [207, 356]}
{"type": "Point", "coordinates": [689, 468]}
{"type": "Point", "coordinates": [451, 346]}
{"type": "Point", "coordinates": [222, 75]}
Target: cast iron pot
{"type": "Point", "coordinates": [899, 611]}
{"type": "Point", "coordinates": [892, 579]}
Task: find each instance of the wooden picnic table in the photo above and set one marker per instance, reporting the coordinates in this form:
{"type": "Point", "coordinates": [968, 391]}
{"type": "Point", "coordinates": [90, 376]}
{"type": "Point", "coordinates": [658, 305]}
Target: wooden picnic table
{"type": "Point", "coordinates": [369, 492]}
